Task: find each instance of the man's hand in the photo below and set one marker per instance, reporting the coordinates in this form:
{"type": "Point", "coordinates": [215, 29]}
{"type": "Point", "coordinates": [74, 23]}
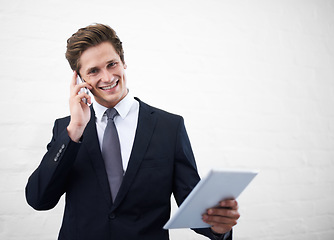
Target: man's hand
{"type": "Point", "coordinates": [223, 217]}
{"type": "Point", "coordinates": [80, 112]}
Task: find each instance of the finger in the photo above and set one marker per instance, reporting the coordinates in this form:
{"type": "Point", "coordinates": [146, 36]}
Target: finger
{"type": "Point", "coordinates": [220, 224]}
{"type": "Point", "coordinates": [74, 79]}
{"type": "Point", "coordinates": [78, 97]}
{"type": "Point", "coordinates": [82, 95]}
{"type": "Point", "coordinates": [231, 203]}
{"type": "Point", "coordinates": [224, 212]}
{"type": "Point", "coordinates": [226, 226]}
{"type": "Point", "coordinates": [73, 84]}
{"type": "Point", "coordinates": [219, 219]}
{"type": "Point", "coordinates": [89, 99]}
{"type": "Point", "coordinates": [228, 212]}
{"type": "Point", "coordinates": [76, 86]}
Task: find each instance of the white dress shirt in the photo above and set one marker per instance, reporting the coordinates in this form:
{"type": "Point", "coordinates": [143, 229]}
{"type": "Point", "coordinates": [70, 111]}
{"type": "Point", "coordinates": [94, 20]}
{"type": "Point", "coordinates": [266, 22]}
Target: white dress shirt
{"type": "Point", "coordinates": [126, 124]}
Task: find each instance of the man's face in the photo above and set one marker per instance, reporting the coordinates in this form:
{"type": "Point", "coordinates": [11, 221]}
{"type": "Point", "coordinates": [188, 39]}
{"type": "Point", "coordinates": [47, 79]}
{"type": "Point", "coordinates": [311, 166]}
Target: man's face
{"type": "Point", "coordinates": [102, 68]}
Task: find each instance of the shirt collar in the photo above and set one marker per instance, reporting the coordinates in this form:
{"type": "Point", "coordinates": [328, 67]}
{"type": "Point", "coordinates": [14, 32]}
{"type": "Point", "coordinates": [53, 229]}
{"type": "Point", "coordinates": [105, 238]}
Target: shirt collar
{"type": "Point", "coordinates": [123, 107]}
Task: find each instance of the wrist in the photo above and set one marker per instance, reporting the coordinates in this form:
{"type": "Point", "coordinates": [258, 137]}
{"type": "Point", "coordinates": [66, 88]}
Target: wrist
{"type": "Point", "coordinates": [75, 132]}
{"type": "Point", "coordinates": [215, 233]}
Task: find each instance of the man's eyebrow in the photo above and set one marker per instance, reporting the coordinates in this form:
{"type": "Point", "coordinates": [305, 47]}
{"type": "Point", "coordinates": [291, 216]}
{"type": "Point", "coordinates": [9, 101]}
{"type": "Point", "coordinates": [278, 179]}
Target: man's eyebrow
{"type": "Point", "coordinates": [112, 60]}
{"type": "Point", "coordinates": [91, 69]}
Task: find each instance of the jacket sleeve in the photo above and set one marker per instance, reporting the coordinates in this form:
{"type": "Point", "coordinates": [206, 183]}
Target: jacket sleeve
{"type": "Point", "coordinates": [186, 176]}
{"type": "Point", "coordinates": [48, 182]}
{"type": "Point", "coordinates": [185, 170]}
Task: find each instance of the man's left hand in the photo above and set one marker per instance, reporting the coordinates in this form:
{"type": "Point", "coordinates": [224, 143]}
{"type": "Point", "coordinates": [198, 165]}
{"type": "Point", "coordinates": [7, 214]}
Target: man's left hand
{"type": "Point", "coordinates": [223, 217]}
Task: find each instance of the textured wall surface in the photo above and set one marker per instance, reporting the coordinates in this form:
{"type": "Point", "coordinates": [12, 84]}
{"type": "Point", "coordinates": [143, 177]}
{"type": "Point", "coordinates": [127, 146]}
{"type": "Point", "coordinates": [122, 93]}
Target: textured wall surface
{"type": "Point", "coordinates": [254, 81]}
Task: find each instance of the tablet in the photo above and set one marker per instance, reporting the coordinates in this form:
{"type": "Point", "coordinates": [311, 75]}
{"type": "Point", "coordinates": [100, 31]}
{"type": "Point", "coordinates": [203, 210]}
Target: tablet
{"type": "Point", "coordinates": [216, 186]}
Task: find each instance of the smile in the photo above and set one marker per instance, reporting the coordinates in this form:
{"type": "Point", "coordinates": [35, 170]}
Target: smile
{"type": "Point", "coordinates": [110, 87]}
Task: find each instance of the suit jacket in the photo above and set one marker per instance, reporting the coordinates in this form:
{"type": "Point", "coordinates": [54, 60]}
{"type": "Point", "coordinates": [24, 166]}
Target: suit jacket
{"type": "Point", "coordinates": [161, 163]}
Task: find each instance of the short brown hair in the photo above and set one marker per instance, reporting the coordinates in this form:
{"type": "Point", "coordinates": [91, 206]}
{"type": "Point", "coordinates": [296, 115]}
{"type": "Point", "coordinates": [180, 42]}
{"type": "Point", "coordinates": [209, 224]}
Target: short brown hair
{"type": "Point", "coordinates": [91, 36]}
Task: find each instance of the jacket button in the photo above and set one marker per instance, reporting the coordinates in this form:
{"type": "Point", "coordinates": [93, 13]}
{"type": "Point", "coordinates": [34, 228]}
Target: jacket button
{"type": "Point", "coordinates": [112, 216]}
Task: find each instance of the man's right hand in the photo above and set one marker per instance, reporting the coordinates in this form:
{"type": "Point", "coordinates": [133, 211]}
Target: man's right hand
{"type": "Point", "coordinates": [80, 112]}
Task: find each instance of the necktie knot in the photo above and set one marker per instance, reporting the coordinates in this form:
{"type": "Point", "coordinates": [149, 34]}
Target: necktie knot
{"type": "Point", "coordinates": [111, 113]}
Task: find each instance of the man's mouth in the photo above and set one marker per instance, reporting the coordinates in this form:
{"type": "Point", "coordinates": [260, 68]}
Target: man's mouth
{"type": "Point", "coordinates": [110, 87]}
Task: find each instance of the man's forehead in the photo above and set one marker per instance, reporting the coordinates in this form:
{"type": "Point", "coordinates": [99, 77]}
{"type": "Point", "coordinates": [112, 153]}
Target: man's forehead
{"type": "Point", "coordinates": [97, 55]}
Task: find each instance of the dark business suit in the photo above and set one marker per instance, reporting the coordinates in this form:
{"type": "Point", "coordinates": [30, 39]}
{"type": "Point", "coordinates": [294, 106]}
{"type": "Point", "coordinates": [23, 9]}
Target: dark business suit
{"type": "Point", "coordinates": [161, 163]}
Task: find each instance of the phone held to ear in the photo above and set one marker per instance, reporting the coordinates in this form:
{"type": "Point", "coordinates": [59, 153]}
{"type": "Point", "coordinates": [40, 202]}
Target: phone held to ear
{"type": "Point", "coordinates": [85, 90]}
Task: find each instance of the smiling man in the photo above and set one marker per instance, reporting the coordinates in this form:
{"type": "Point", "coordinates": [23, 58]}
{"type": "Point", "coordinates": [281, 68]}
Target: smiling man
{"type": "Point", "coordinates": [117, 159]}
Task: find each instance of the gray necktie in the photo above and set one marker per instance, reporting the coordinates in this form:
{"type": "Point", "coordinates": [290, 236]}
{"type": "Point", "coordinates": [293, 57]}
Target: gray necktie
{"type": "Point", "coordinates": [111, 153]}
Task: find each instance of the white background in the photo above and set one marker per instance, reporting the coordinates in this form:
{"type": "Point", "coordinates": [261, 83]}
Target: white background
{"type": "Point", "coordinates": [254, 81]}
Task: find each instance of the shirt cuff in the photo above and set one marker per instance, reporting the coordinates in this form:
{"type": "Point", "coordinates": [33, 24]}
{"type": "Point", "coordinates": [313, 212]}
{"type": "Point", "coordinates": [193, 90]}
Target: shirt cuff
{"type": "Point", "coordinates": [217, 236]}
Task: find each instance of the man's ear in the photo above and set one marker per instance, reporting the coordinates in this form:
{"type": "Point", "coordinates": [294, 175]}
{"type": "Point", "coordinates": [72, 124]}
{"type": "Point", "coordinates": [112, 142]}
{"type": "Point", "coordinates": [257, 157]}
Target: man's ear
{"type": "Point", "coordinates": [125, 66]}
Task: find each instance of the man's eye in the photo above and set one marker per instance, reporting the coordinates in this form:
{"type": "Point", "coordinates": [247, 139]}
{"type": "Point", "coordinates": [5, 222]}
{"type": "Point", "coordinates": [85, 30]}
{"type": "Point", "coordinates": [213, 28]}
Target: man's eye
{"type": "Point", "coordinates": [111, 64]}
{"type": "Point", "coordinates": [93, 71]}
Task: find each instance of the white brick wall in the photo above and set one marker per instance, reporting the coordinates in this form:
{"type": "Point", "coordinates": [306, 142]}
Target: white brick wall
{"type": "Point", "coordinates": [253, 79]}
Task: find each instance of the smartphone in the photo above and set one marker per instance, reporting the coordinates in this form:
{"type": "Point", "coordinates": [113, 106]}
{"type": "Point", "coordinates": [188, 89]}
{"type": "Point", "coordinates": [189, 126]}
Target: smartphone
{"type": "Point", "coordinates": [85, 90]}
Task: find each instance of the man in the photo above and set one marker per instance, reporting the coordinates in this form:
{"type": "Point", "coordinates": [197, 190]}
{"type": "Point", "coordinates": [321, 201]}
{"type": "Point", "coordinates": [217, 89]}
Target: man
{"type": "Point", "coordinates": [152, 151]}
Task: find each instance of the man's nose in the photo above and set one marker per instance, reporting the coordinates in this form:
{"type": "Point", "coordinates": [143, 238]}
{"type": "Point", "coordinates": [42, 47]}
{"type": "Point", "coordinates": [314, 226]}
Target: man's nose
{"type": "Point", "coordinates": [107, 76]}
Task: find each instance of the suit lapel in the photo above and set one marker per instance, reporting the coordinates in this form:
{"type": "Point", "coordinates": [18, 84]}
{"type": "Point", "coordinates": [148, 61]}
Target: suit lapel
{"type": "Point", "coordinates": [91, 142]}
{"type": "Point", "coordinates": [145, 128]}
